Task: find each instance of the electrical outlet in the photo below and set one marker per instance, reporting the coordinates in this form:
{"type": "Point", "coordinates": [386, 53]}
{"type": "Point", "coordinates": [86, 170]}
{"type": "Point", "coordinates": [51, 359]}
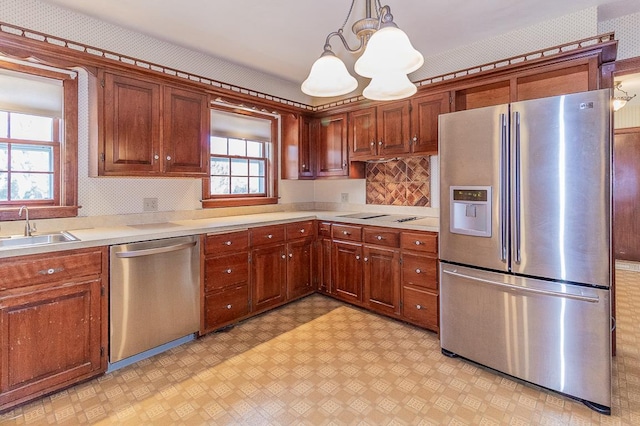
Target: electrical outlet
{"type": "Point", "coordinates": [344, 197]}
{"type": "Point", "coordinates": [149, 204]}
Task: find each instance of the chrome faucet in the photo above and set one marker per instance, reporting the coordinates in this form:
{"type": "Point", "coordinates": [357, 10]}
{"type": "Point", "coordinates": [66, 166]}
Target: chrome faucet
{"type": "Point", "coordinates": [27, 225]}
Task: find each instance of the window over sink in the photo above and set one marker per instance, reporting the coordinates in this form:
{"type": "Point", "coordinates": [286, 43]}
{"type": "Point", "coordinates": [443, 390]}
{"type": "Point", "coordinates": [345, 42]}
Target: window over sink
{"type": "Point", "coordinates": [38, 139]}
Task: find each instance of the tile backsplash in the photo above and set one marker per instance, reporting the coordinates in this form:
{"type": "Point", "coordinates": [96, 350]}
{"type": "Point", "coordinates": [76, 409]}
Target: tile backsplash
{"type": "Point", "coordinates": [401, 182]}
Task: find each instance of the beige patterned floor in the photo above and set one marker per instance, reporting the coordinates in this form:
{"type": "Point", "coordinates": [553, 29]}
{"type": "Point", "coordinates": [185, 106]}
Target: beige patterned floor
{"type": "Point", "coordinates": [318, 361]}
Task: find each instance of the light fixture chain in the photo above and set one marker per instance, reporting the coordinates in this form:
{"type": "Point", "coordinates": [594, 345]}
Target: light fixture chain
{"type": "Point", "coordinates": [348, 15]}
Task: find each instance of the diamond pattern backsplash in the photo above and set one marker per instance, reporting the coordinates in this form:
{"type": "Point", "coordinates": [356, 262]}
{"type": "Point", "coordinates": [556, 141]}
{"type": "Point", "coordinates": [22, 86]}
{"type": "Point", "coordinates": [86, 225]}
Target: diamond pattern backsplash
{"type": "Point", "coordinates": [402, 182]}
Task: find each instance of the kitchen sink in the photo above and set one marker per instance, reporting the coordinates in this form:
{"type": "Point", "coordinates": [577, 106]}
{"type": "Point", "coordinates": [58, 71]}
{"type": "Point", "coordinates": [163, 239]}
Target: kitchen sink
{"type": "Point", "coordinates": [39, 239]}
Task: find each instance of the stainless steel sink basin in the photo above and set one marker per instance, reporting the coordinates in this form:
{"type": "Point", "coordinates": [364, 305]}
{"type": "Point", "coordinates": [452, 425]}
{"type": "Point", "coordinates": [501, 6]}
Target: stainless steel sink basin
{"type": "Point", "coordinates": [39, 239]}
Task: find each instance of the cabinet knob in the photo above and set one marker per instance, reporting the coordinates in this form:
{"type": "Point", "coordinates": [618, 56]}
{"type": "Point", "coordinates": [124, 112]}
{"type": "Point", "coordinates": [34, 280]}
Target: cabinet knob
{"type": "Point", "coordinates": [227, 243]}
{"type": "Point", "coordinates": [418, 307]}
{"type": "Point", "coordinates": [284, 256]}
{"type": "Point", "coordinates": [156, 157]}
{"type": "Point", "coordinates": [366, 259]}
{"type": "Point", "coordinates": [373, 143]}
{"type": "Point", "coordinates": [304, 166]}
{"type": "Point", "coordinates": [357, 257]}
{"type": "Point", "coordinates": [418, 242]}
{"type": "Point", "coordinates": [418, 270]}
{"type": "Point", "coordinates": [346, 233]}
{"type": "Point", "coordinates": [50, 271]}
{"type": "Point", "coordinates": [228, 271]}
{"type": "Point", "coordinates": [270, 236]}
{"type": "Point", "coordinates": [415, 138]}
{"type": "Point", "coordinates": [380, 143]}
{"type": "Point", "coordinates": [290, 255]}
{"type": "Point", "coordinates": [379, 237]}
{"type": "Point", "coordinates": [168, 158]}
{"type": "Point", "coordinates": [302, 231]}
{"type": "Point", "coordinates": [229, 306]}
{"type": "Point", "coordinates": [344, 165]}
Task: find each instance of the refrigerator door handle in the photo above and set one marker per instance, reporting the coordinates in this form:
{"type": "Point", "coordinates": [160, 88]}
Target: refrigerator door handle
{"type": "Point", "coordinates": [520, 289]}
{"type": "Point", "coordinates": [516, 119]}
{"type": "Point", "coordinates": [504, 214]}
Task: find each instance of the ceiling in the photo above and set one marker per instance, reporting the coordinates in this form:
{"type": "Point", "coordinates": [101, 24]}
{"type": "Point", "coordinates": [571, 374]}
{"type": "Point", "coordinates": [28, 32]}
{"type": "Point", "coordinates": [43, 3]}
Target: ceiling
{"type": "Point", "coordinates": [284, 37]}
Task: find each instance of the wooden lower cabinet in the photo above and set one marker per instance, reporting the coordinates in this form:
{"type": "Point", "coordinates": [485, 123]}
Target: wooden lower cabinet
{"type": "Point", "coordinates": [268, 276]}
{"type": "Point", "coordinates": [347, 266]}
{"type": "Point", "coordinates": [382, 279]}
{"type": "Point", "coordinates": [299, 268]}
{"type": "Point", "coordinates": [225, 293]}
{"type": "Point", "coordinates": [53, 322]}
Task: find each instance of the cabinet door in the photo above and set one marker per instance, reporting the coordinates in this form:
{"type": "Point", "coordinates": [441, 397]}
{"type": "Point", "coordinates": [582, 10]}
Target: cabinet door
{"type": "Point", "coordinates": [324, 256]}
{"type": "Point", "coordinates": [393, 128]}
{"type": "Point", "coordinates": [347, 271]}
{"type": "Point", "coordinates": [308, 139]}
{"type": "Point", "coordinates": [185, 139]}
{"type": "Point", "coordinates": [362, 133]}
{"type": "Point", "coordinates": [382, 279]}
{"type": "Point", "coordinates": [299, 267]}
{"type": "Point", "coordinates": [131, 117]}
{"type": "Point", "coordinates": [49, 338]}
{"type": "Point", "coordinates": [331, 151]}
{"type": "Point", "coordinates": [268, 276]}
{"type": "Point", "coordinates": [424, 122]}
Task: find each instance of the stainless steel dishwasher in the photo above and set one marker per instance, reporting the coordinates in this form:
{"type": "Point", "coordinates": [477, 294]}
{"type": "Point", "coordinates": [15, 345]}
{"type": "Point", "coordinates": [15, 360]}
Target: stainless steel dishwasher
{"type": "Point", "coordinates": [154, 294]}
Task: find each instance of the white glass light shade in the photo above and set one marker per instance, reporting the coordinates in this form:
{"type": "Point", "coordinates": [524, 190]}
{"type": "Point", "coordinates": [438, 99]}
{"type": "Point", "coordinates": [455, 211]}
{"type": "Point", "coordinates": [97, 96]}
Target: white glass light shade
{"type": "Point", "coordinates": [389, 87]}
{"type": "Point", "coordinates": [388, 51]}
{"type": "Point", "coordinates": [618, 103]}
{"type": "Point", "coordinates": [329, 77]}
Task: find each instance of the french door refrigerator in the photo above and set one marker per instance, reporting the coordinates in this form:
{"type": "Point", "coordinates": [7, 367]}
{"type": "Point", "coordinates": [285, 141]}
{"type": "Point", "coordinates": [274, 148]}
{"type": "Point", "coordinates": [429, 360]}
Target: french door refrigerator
{"type": "Point", "coordinates": [525, 241]}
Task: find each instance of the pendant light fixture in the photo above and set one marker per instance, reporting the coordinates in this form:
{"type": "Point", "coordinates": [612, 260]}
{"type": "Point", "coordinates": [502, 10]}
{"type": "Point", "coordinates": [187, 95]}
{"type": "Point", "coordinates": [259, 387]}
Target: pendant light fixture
{"type": "Point", "coordinates": [620, 101]}
{"type": "Point", "coordinates": [387, 59]}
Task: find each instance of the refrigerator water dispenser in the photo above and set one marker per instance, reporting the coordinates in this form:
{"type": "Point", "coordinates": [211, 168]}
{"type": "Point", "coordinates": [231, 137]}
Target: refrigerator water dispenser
{"type": "Point", "coordinates": [471, 210]}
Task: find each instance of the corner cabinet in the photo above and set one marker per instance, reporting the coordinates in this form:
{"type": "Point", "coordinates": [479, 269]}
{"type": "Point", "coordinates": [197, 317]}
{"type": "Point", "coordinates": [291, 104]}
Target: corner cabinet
{"type": "Point", "coordinates": [53, 322]}
{"type": "Point", "coordinates": [149, 128]}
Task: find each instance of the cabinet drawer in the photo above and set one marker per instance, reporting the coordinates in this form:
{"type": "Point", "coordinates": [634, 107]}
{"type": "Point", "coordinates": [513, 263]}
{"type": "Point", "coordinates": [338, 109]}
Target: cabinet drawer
{"type": "Point", "coordinates": [381, 236]}
{"type": "Point", "coordinates": [420, 271]}
{"type": "Point", "coordinates": [420, 307]}
{"type": "Point", "coordinates": [299, 230]}
{"type": "Point", "coordinates": [38, 269]}
{"type": "Point", "coordinates": [227, 243]}
{"type": "Point", "coordinates": [324, 229]}
{"type": "Point", "coordinates": [346, 232]}
{"type": "Point", "coordinates": [420, 241]}
{"type": "Point", "coordinates": [267, 235]}
{"type": "Point", "coordinates": [223, 271]}
{"type": "Point", "coordinates": [225, 306]}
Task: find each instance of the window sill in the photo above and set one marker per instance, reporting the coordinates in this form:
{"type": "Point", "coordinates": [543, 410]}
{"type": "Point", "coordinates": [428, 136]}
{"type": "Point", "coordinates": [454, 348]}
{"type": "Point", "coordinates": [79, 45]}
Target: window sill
{"type": "Point", "coordinates": [237, 202]}
{"type": "Point", "coordinates": [39, 212]}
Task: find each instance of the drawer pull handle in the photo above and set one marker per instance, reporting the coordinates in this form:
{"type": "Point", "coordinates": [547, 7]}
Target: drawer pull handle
{"type": "Point", "coordinates": [418, 271]}
{"type": "Point", "coordinates": [379, 237]}
{"type": "Point", "coordinates": [346, 233]}
{"type": "Point", "coordinates": [228, 271]}
{"type": "Point", "coordinates": [229, 306]}
{"type": "Point", "coordinates": [270, 236]}
{"type": "Point", "coordinates": [50, 271]}
{"type": "Point", "coordinates": [419, 242]}
{"type": "Point", "coordinates": [418, 307]}
{"type": "Point", "coordinates": [227, 243]}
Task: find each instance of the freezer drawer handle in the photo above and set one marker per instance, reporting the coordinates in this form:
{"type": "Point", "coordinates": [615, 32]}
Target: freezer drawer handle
{"type": "Point", "coordinates": [581, 298]}
{"type": "Point", "coordinates": [148, 252]}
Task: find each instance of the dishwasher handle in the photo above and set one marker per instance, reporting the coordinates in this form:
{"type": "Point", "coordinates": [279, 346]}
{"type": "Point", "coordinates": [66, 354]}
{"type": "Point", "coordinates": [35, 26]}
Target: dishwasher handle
{"type": "Point", "coordinates": [157, 250]}
{"type": "Point", "coordinates": [519, 289]}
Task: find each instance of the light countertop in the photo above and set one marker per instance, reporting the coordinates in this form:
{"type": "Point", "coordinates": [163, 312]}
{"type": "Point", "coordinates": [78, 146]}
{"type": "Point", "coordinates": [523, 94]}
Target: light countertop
{"type": "Point", "coordinates": [105, 236]}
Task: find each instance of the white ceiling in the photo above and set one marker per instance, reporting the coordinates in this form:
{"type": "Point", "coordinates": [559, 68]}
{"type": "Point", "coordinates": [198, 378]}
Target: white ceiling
{"type": "Point", "coordinates": [284, 37]}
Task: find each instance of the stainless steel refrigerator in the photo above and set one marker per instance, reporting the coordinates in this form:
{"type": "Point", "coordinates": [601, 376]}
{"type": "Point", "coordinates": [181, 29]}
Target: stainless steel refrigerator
{"type": "Point", "coordinates": [525, 241]}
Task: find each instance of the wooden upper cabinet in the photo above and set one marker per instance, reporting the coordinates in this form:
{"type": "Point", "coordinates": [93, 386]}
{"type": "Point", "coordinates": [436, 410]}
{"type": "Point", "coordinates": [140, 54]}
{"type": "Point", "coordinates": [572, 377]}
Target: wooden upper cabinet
{"type": "Point", "coordinates": [185, 132]}
{"type": "Point", "coordinates": [298, 135]}
{"type": "Point", "coordinates": [362, 133]}
{"type": "Point", "coordinates": [131, 117]}
{"type": "Point", "coordinates": [331, 151]}
{"type": "Point", "coordinates": [556, 81]}
{"type": "Point", "coordinates": [308, 140]}
{"type": "Point", "coordinates": [152, 129]}
{"type": "Point", "coordinates": [393, 128]}
{"type": "Point", "coordinates": [424, 121]}
{"type": "Point", "coordinates": [489, 94]}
